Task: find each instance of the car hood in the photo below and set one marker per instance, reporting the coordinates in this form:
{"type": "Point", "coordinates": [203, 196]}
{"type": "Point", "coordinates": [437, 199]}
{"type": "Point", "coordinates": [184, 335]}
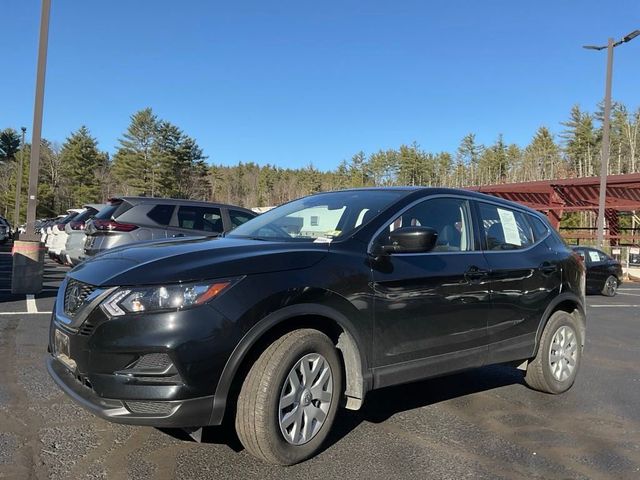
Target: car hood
{"type": "Point", "coordinates": [193, 259]}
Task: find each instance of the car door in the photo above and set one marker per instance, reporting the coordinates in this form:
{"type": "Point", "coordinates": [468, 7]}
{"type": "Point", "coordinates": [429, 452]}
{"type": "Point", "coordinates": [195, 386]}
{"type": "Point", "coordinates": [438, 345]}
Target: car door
{"type": "Point", "coordinates": [430, 309]}
{"type": "Point", "coordinates": [525, 277]}
{"type": "Point", "coordinates": [193, 220]}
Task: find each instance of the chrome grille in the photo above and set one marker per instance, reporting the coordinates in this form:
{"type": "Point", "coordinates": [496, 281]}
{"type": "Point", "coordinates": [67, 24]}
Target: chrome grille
{"type": "Point", "coordinates": [75, 295]}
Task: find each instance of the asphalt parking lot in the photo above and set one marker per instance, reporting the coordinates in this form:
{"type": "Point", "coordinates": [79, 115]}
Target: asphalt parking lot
{"type": "Point", "coordinates": [480, 424]}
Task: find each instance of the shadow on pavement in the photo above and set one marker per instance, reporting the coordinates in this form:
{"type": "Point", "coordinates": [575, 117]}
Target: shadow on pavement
{"type": "Point", "coordinates": [380, 405]}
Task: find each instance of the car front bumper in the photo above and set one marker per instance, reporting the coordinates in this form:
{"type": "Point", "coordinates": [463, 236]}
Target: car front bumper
{"type": "Point", "coordinates": [169, 414]}
{"type": "Point", "coordinates": [100, 362]}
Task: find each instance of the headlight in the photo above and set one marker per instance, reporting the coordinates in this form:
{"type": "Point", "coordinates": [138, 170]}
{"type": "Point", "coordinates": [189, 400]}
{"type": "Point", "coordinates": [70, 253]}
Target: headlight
{"type": "Point", "coordinates": [166, 297]}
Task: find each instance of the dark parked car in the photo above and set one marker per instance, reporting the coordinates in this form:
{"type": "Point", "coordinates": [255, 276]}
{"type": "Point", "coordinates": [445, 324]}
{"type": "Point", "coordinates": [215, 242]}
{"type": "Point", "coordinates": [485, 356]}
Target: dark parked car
{"type": "Point", "coordinates": [5, 230]}
{"type": "Point", "coordinates": [127, 220]}
{"type": "Point", "coordinates": [276, 328]}
{"type": "Point", "coordinates": [604, 274]}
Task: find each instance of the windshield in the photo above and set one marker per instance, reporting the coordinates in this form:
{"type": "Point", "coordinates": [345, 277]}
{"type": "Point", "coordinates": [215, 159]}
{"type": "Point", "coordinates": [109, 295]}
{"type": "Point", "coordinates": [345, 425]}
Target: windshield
{"type": "Point", "coordinates": [320, 218]}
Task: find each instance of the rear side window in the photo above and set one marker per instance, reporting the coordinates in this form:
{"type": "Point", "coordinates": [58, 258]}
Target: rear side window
{"type": "Point", "coordinates": [161, 214]}
{"type": "Point", "coordinates": [540, 230]}
{"type": "Point", "coordinates": [238, 218]}
{"type": "Point", "coordinates": [504, 229]}
{"type": "Point", "coordinates": [206, 219]}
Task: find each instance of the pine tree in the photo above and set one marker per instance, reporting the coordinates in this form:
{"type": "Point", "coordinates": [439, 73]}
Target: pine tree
{"type": "Point", "coordinates": [468, 154]}
{"type": "Point", "coordinates": [80, 162]}
{"type": "Point", "coordinates": [134, 165]}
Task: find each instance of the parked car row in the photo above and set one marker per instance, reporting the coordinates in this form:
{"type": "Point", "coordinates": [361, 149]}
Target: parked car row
{"type": "Point", "coordinates": [94, 228]}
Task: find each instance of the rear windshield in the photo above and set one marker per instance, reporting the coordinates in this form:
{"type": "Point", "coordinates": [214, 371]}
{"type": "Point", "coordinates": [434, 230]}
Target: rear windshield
{"type": "Point", "coordinates": [107, 212]}
{"type": "Point", "coordinates": [68, 218]}
{"type": "Point", "coordinates": [85, 215]}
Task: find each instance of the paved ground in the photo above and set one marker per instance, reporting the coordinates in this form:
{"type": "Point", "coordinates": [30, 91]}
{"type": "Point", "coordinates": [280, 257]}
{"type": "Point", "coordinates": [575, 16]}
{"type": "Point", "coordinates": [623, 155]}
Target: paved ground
{"type": "Point", "coordinates": [480, 424]}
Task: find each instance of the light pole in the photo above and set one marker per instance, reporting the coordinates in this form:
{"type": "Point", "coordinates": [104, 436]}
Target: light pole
{"type": "Point", "coordinates": [606, 127]}
{"type": "Point", "coordinates": [28, 256]}
{"type": "Point", "coordinates": [16, 216]}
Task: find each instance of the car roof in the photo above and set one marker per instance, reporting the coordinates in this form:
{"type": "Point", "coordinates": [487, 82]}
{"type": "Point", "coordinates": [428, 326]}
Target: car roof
{"type": "Point", "coordinates": [175, 201]}
{"type": "Point", "coordinates": [419, 192]}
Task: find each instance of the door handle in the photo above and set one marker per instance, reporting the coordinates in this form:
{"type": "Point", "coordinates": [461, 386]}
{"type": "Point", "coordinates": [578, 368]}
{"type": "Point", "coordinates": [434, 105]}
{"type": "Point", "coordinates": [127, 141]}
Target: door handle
{"type": "Point", "coordinates": [548, 268]}
{"type": "Point", "coordinates": [178, 235]}
{"type": "Point", "coordinates": [475, 273]}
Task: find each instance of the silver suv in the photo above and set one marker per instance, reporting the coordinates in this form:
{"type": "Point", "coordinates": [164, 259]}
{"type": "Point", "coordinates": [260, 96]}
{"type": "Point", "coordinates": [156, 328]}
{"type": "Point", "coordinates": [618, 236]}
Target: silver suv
{"type": "Point", "coordinates": [126, 220]}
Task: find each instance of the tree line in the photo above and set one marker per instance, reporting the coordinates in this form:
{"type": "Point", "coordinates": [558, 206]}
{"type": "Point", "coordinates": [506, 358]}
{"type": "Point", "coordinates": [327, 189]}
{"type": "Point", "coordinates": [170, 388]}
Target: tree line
{"type": "Point", "coordinates": [156, 158]}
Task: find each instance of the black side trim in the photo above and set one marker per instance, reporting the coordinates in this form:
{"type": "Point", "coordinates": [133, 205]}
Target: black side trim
{"type": "Point", "coordinates": [435, 366]}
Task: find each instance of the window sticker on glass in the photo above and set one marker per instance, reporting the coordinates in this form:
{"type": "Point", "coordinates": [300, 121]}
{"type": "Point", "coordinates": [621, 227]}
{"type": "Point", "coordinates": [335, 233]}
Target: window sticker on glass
{"type": "Point", "coordinates": [322, 240]}
{"type": "Point", "coordinates": [594, 256]}
{"type": "Point", "coordinates": [509, 227]}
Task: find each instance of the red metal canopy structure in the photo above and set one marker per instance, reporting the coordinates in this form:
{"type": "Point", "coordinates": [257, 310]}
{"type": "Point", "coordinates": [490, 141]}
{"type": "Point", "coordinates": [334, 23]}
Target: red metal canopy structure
{"type": "Point", "coordinates": [554, 197]}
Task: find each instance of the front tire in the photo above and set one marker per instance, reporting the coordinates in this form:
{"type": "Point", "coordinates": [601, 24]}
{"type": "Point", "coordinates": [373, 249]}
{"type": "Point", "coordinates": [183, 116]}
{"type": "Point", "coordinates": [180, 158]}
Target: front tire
{"type": "Point", "coordinates": [289, 398]}
{"type": "Point", "coordinates": [554, 368]}
{"type": "Point", "coordinates": [610, 286]}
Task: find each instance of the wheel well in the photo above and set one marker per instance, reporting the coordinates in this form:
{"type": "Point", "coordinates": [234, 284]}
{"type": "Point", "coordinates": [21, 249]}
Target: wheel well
{"type": "Point", "coordinates": [572, 308]}
{"type": "Point", "coordinates": [348, 352]}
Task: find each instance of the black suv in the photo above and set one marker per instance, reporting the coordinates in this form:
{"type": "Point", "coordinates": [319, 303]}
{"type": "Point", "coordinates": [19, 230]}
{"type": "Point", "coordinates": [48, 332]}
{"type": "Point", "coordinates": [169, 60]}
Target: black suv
{"type": "Point", "coordinates": [313, 304]}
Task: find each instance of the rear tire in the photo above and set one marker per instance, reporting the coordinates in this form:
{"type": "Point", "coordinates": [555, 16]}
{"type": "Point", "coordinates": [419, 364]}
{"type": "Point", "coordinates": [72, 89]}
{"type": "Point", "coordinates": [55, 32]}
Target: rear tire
{"type": "Point", "coordinates": [610, 286]}
{"type": "Point", "coordinates": [554, 368]}
{"type": "Point", "coordinates": [289, 398]}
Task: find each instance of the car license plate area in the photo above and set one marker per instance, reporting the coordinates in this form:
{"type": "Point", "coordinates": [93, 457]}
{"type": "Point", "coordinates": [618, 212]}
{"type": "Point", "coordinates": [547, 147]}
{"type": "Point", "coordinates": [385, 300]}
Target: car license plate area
{"type": "Point", "coordinates": [61, 350]}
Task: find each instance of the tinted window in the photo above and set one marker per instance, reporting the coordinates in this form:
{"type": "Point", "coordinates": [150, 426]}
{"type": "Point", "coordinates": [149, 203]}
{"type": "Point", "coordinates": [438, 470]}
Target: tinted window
{"type": "Point", "coordinates": [448, 216]}
{"type": "Point", "coordinates": [504, 229]}
{"type": "Point", "coordinates": [68, 218]}
{"type": "Point", "coordinates": [200, 218]}
{"type": "Point", "coordinates": [108, 211]}
{"type": "Point", "coordinates": [596, 256]}
{"type": "Point", "coordinates": [238, 218]}
{"type": "Point", "coordinates": [161, 214]}
{"type": "Point", "coordinates": [540, 230]}
{"type": "Point", "coordinates": [88, 214]}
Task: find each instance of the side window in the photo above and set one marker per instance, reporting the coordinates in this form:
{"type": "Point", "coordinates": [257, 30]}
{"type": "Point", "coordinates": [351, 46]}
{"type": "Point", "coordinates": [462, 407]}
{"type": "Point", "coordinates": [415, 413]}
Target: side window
{"type": "Point", "coordinates": [200, 218]}
{"type": "Point", "coordinates": [161, 214]}
{"type": "Point", "coordinates": [596, 256]}
{"type": "Point", "coordinates": [504, 229]}
{"type": "Point", "coordinates": [238, 218]}
{"type": "Point", "coordinates": [450, 217]}
{"type": "Point", "coordinates": [540, 230]}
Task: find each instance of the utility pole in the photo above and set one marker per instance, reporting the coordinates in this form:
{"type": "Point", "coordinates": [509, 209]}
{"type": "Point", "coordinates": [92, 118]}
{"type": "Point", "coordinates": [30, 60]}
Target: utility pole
{"type": "Point", "coordinates": [604, 161]}
{"type": "Point", "coordinates": [34, 167]}
{"type": "Point", "coordinates": [16, 216]}
{"type": "Point", "coordinates": [28, 255]}
{"type": "Point", "coordinates": [606, 127]}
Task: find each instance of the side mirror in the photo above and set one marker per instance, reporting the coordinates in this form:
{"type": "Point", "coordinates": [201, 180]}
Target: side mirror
{"type": "Point", "coordinates": [411, 240]}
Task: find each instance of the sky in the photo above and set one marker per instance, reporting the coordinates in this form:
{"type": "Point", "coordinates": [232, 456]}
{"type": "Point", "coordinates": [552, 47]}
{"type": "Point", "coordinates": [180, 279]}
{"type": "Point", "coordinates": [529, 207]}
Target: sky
{"type": "Point", "coordinates": [297, 82]}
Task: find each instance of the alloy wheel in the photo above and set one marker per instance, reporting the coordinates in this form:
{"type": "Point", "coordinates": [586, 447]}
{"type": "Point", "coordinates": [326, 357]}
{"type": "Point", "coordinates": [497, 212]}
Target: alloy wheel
{"type": "Point", "coordinates": [305, 399]}
{"type": "Point", "coordinates": [563, 353]}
